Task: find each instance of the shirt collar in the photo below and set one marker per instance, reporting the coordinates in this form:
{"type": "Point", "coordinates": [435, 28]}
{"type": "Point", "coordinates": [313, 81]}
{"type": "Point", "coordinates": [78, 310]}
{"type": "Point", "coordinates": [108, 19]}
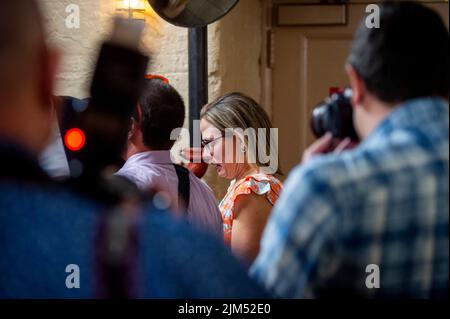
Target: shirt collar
{"type": "Point", "coordinates": [413, 113]}
{"type": "Point", "coordinates": [152, 157]}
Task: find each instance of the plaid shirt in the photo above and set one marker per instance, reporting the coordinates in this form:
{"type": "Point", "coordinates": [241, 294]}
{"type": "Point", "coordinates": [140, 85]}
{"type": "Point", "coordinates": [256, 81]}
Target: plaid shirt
{"type": "Point", "coordinates": [384, 205]}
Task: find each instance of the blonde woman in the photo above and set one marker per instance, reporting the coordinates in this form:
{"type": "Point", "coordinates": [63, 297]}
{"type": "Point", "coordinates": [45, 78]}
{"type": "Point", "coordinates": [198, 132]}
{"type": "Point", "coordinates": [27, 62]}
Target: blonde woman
{"type": "Point", "coordinates": [238, 139]}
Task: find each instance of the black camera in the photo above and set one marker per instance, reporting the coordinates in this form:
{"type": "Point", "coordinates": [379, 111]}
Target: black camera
{"type": "Point", "coordinates": [335, 115]}
{"type": "Point", "coordinates": [95, 130]}
{"type": "Point", "coordinates": [116, 86]}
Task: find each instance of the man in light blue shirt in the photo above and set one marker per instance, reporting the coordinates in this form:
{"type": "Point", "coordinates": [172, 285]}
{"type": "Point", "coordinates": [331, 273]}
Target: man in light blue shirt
{"type": "Point", "coordinates": [374, 221]}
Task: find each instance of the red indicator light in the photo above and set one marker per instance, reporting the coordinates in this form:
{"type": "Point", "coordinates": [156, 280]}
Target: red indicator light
{"type": "Point", "coordinates": [75, 139]}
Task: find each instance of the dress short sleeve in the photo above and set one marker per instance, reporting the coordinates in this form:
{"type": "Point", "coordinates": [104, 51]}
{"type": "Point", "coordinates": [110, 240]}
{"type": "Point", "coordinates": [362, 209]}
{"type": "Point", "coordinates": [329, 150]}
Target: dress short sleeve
{"type": "Point", "coordinates": [259, 184]}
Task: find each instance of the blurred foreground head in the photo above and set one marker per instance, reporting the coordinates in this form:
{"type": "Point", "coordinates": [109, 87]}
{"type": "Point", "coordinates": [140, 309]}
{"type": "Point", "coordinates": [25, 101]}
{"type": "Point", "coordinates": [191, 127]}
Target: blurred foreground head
{"type": "Point", "coordinates": [27, 75]}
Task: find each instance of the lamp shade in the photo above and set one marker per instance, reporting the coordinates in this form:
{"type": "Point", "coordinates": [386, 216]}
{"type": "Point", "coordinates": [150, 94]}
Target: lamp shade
{"type": "Point", "coordinates": [192, 13]}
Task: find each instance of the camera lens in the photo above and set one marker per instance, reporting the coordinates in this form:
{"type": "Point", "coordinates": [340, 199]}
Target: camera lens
{"type": "Point", "coordinates": [335, 115]}
{"type": "Point", "coordinates": [319, 120]}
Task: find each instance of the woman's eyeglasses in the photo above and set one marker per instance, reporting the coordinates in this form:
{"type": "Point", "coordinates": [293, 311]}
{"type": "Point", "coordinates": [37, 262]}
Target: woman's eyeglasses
{"type": "Point", "coordinates": [209, 143]}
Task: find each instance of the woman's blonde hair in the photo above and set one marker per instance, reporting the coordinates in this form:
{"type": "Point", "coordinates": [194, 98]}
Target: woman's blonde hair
{"type": "Point", "coordinates": [238, 111]}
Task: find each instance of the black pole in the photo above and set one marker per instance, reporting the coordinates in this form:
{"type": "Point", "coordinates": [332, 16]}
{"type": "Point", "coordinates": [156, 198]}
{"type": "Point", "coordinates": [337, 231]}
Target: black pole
{"type": "Point", "coordinates": [198, 77]}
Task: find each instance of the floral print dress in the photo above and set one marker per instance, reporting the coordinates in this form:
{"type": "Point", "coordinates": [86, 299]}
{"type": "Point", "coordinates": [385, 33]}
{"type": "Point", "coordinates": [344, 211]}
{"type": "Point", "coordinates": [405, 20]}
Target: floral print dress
{"type": "Point", "coordinates": [260, 184]}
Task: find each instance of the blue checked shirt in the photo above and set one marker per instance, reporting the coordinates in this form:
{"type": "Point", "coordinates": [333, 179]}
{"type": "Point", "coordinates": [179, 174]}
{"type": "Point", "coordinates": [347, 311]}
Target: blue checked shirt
{"type": "Point", "coordinates": [371, 222]}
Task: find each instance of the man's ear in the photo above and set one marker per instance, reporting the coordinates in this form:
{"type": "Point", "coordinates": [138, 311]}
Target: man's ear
{"type": "Point", "coordinates": [133, 129]}
{"type": "Point", "coordinates": [50, 61]}
{"type": "Point", "coordinates": [358, 86]}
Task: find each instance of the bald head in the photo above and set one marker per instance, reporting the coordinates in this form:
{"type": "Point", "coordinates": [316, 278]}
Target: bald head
{"type": "Point", "coordinates": [21, 41]}
{"type": "Point", "coordinates": [27, 75]}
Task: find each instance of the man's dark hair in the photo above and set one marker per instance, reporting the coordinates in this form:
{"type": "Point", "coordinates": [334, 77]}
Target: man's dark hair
{"type": "Point", "coordinates": [407, 57]}
{"type": "Point", "coordinates": [163, 111]}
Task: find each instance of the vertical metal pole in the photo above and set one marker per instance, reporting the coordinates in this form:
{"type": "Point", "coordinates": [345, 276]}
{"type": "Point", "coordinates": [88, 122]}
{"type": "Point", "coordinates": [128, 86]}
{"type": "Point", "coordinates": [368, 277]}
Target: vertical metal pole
{"type": "Point", "coordinates": [198, 78]}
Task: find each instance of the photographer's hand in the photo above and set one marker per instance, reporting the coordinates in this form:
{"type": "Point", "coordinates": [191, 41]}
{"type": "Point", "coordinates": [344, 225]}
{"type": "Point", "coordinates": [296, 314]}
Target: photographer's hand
{"type": "Point", "coordinates": [322, 146]}
{"type": "Point", "coordinates": [327, 144]}
{"type": "Point", "coordinates": [345, 144]}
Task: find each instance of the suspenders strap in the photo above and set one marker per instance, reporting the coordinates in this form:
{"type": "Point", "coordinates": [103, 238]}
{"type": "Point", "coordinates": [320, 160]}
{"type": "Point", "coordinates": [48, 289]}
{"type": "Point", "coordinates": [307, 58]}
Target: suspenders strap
{"type": "Point", "coordinates": [184, 186]}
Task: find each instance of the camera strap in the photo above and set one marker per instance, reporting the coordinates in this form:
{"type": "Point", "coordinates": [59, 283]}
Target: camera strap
{"type": "Point", "coordinates": [184, 186]}
{"type": "Point", "coordinates": [117, 253]}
